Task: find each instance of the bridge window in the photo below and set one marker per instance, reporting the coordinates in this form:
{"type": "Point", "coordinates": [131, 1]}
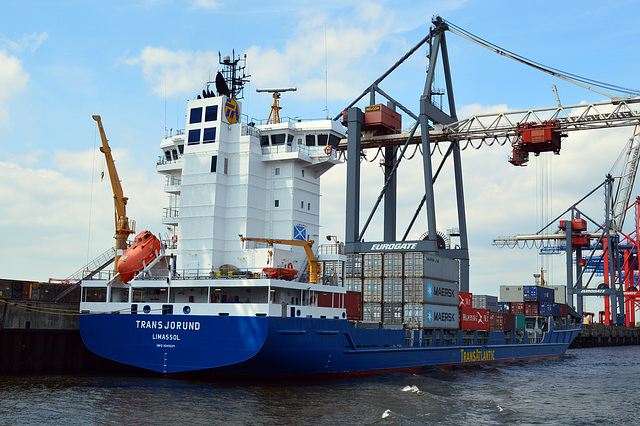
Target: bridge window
{"type": "Point", "coordinates": [334, 141]}
{"type": "Point", "coordinates": [264, 140]}
{"type": "Point", "coordinates": [194, 137]}
{"type": "Point", "coordinates": [175, 154]}
{"type": "Point", "coordinates": [277, 139]}
{"type": "Point", "coordinates": [211, 113]}
{"type": "Point", "coordinates": [289, 139]}
{"type": "Point", "coordinates": [310, 140]}
{"type": "Point", "coordinates": [322, 140]}
{"type": "Point", "coordinates": [209, 135]}
{"type": "Point", "coordinates": [196, 115]}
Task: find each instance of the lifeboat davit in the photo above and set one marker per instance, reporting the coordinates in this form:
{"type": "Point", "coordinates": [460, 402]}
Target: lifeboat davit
{"type": "Point", "coordinates": [141, 253]}
{"type": "Point", "coordinates": [280, 273]}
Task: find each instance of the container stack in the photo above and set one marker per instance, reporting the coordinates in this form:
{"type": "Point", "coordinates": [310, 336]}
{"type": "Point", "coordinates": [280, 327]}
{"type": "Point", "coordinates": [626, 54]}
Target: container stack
{"type": "Point", "coordinates": [535, 300]}
{"type": "Point", "coordinates": [417, 289]}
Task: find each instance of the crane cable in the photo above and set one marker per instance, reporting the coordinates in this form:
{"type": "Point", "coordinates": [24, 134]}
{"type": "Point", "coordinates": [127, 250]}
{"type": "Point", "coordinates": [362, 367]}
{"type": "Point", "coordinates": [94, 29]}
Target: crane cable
{"type": "Point", "coordinates": [572, 78]}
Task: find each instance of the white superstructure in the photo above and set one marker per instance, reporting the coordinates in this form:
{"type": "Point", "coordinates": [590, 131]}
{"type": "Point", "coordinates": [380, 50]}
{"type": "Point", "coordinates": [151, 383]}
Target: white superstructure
{"type": "Point", "coordinates": [226, 178]}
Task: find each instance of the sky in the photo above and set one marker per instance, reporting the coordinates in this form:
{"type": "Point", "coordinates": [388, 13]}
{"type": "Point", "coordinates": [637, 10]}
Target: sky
{"type": "Point", "coordinates": [137, 62]}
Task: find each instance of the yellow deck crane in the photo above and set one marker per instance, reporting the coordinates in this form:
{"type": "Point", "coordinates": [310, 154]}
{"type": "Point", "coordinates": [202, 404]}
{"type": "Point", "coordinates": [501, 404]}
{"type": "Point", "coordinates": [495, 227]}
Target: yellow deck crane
{"type": "Point", "coordinates": [123, 228]}
{"type": "Point", "coordinates": [314, 265]}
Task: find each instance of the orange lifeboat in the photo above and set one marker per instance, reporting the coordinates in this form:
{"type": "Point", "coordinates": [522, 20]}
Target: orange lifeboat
{"type": "Point", "coordinates": [280, 273]}
{"type": "Point", "coordinates": [142, 252]}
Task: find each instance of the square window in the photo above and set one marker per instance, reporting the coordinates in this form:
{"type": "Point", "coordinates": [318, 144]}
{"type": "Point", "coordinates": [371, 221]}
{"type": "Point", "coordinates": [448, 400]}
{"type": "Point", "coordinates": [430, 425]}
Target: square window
{"type": "Point", "coordinates": [194, 137]}
{"type": "Point", "coordinates": [322, 140]}
{"type": "Point", "coordinates": [209, 135]}
{"type": "Point", "coordinates": [277, 203]}
{"type": "Point", "coordinates": [310, 140]}
{"type": "Point", "coordinates": [211, 113]}
{"type": "Point", "coordinates": [196, 115]}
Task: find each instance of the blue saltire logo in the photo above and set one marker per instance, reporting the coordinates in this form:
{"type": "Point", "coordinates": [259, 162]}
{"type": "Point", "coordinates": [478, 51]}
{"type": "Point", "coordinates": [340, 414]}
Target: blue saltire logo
{"type": "Point", "coordinates": [299, 233]}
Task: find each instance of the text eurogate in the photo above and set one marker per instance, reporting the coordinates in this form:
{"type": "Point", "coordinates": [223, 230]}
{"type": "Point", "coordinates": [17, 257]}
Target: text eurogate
{"type": "Point", "coordinates": [168, 325]}
{"type": "Point", "coordinates": [476, 355]}
{"type": "Point", "coordinates": [396, 246]}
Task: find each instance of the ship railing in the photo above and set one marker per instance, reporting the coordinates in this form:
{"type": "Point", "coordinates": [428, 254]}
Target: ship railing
{"type": "Point", "coordinates": [170, 211]}
{"type": "Point", "coordinates": [335, 248]}
{"type": "Point", "coordinates": [162, 160]}
{"type": "Point", "coordinates": [311, 151]}
{"type": "Point", "coordinates": [172, 181]}
{"type": "Point", "coordinates": [250, 130]}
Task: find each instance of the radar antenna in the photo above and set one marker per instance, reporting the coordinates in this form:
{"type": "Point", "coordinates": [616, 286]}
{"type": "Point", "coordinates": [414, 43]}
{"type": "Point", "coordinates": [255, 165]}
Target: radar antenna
{"type": "Point", "coordinates": [232, 80]}
{"type": "Point", "coordinates": [274, 115]}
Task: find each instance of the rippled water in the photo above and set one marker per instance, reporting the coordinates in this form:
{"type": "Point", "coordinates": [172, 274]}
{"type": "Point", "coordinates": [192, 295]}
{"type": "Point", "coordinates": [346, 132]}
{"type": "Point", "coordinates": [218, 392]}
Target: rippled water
{"type": "Point", "coordinates": [587, 386]}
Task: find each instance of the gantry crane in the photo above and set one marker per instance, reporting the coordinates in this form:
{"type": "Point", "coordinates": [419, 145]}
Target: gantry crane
{"type": "Point", "coordinates": [123, 227]}
{"type": "Point", "coordinates": [314, 265]}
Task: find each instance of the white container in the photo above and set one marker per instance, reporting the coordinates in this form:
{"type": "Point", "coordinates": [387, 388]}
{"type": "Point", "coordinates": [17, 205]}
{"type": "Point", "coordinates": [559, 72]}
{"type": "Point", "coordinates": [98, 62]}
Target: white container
{"type": "Point", "coordinates": [512, 293]}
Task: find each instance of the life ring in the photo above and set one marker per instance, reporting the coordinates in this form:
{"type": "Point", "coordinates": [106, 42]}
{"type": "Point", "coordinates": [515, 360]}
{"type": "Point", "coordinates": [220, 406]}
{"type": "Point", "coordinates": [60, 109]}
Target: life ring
{"type": "Point", "coordinates": [328, 150]}
{"type": "Point", "coordinates": [290, 266]}
{"type": "Point", "coordinates": [174, 239]}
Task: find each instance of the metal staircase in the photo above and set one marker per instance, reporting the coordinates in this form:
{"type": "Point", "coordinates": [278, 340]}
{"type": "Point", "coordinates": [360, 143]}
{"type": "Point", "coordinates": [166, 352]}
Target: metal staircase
{"type": "Point", "coordinates": [88, 271]}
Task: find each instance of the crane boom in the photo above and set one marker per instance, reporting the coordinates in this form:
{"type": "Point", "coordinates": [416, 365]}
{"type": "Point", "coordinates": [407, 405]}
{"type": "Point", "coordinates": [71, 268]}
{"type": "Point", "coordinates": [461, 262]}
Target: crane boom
{"type": "Point", "coordinates": [627, 177]}
{"type": "Point", "coordinates": [123, 228]}
{"type": "Point", "coordinates": [314, 265]}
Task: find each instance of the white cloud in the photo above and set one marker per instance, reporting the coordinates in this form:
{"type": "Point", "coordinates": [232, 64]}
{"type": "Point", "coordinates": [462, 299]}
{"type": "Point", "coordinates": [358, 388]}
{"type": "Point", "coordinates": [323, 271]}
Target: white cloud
{"type": "Point", "coordinates": [13, 79]}
{"type": "Point", "coordinates": [66, 215]}
{"type": "Point", "coordinates": [30, 42]}
{"type": "Point", "coordinates": [206, 4]}
{"type": "Point", "coordinates": [175, 73]}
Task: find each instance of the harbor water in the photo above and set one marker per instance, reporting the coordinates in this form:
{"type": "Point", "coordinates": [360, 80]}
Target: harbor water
{"type": "Point", "coordinates": [586, 386]}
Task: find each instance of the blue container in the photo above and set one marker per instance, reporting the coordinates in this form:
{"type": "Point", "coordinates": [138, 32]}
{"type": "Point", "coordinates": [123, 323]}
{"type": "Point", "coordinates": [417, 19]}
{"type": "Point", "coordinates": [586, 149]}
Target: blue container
{"type": "Point", "coordinates": [536, 293]}
{"type": "Point", "coordinates": [545, 309]}
{"type": "Point", "coordinates": [504, 307]}
{"type": "Point", "coordinates": [557, 312]}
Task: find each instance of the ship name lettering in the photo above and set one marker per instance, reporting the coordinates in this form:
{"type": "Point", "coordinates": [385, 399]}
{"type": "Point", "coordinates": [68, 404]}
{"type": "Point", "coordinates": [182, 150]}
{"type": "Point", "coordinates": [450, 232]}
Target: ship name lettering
{"type": "Point", "coordinates": [165, 337]}
{"type": "Point", "coordinates": [168, 325]}
{"type": "Point", "coordinates": [476, 355]}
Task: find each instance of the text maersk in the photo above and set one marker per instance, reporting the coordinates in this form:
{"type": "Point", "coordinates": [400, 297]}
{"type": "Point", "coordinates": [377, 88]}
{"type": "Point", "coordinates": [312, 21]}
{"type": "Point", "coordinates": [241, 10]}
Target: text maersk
{"type": "Point", "coordinates": [168, 325]}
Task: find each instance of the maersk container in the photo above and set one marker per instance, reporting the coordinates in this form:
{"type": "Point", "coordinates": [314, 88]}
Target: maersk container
{"type": "Point", "coordinates": [520, 322]}
{"type": "Point", "coordinates": [440, 292]}
{"type": "Point", "coordinates": [511, 293]}
{"type": "Point", "coordinates": [441, 317]}
{"type": "Point", "coordinates": [537, 293]}
{"type": "Point", "coordinates": [560, 293]}
{"type": "Point", "coordinates": [413, 265]}
{"type": "Point", "coordinates": [482, 301]}
{"type": "Point", "coordinates": [474, 319]}
{"type": "Point", "coordinates": [504, 307]}
{"type": "Point", "coordinates": [441, 268]}
{"type": "Point", "coordinates": [466, 299]}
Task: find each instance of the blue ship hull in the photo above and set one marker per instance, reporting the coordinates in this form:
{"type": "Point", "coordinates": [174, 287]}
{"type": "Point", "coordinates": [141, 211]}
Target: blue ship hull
{"type": "Point", "coordinates": [259, 346]}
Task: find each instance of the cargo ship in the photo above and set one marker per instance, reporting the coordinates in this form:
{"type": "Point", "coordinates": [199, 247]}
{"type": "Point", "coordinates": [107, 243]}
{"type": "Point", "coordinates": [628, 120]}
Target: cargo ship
{"type": "Point", "coordinates": [239, 284]}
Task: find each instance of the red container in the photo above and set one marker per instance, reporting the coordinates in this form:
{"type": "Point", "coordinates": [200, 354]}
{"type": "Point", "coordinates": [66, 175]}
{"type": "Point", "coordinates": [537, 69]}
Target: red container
{"type": "Point", "coordinates": [382, 117]}
{"type": "Point", "coordinates": [564, 310]}
{"type": "Point", "coordinates": [496, 319]}
{"type": "Point", "coordinates": [353, 305]}
{"type": "Point", "coordinates": [474, 319]}
{"type": "Point", "coordinates": [517, 308]}
{"type": "Point", "coordinates": [466, 299]}
{"type": "Point", "coordinates": [531, 309]}
{"type": "Point", "coordinates": [509, 322]}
